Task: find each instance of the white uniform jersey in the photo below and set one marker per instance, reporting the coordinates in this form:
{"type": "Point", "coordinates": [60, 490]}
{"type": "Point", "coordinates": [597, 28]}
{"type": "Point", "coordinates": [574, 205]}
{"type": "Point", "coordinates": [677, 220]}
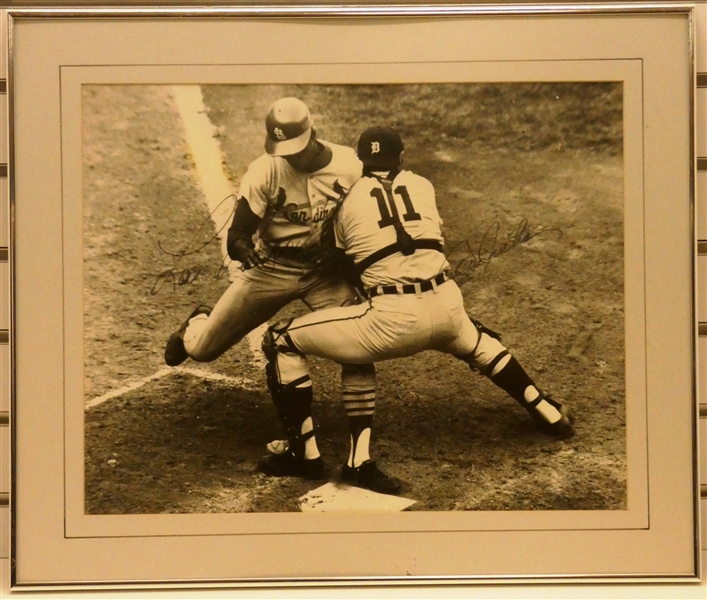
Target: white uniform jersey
{"type": "Point", "coordinates": [294, 205]}
{"type": "Point", "coordinates": [365, 225]}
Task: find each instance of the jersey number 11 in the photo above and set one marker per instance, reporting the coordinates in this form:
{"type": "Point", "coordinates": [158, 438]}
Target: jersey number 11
{"type": "Point", "coordinates": [388, 209]}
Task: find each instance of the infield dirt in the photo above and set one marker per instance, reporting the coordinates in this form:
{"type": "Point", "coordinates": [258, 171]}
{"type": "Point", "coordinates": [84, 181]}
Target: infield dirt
{"type": "Point", "coordinates": [529, 182]}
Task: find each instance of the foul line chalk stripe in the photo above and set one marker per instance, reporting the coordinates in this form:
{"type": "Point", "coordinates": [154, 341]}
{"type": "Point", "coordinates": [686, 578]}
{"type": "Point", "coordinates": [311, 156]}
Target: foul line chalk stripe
{"type": "Point", "coordinates": [241, 382]}
{"type": "Point", "coordinates": [235, 381]}
{"type": "Point", "coordinates": [127, 388]}
{"type": "Point", "coordinates": [216, 186]}
{"type": "Point", "coordinates": [206, 152]}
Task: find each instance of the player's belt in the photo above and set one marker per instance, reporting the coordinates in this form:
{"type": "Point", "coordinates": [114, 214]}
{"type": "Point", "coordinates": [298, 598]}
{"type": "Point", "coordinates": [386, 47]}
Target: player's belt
{"type": "Point", "coordinates": [409, 288]}
{"type": "Point", "coordinates": [295, 252]}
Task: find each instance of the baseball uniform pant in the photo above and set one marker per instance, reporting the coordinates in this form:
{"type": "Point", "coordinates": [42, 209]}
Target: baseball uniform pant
{"type": "Point", "coordinates": [388, 326]}
{"type": "Point", "coordinates": [400, 325]}
{"type": "Point", "coordinates": [254, 297]}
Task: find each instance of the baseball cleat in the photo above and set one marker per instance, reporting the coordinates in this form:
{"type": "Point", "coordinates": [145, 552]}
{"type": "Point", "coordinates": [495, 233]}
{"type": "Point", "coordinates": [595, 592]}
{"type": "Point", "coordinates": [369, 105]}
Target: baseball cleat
{"type": "Point", "coordinates": [368, 476]}
{"type": "Point", "coordinates": [174, 352]}
{"type": "Point", "coordinates": [288, 465]}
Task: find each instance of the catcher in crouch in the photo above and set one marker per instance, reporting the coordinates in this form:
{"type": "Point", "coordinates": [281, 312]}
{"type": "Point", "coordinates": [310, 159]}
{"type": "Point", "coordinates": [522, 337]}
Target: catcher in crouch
{"type": "Point", "coordinates": [389, 227]}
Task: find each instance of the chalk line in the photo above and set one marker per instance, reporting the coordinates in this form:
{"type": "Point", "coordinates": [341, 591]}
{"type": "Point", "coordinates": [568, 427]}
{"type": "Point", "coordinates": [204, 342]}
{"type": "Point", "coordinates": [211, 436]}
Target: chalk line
{"type": "Point", "coordinates": [240, 382]}
{"type": "Point", "coordinates": [208, 159]}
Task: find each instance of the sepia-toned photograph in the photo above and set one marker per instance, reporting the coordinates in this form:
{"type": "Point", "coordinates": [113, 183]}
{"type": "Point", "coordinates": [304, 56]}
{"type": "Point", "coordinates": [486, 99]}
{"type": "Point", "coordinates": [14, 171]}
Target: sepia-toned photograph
{"type": "Point", "coordinates": [410, 290]}
{"type": "Point", "coordinates": [353, 297]}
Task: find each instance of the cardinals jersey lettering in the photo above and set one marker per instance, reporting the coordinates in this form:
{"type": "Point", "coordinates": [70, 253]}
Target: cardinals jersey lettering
{"type": "Point", "coordinates": [365, 224]}
{"type": "Point", "coordinates": [294, 205]}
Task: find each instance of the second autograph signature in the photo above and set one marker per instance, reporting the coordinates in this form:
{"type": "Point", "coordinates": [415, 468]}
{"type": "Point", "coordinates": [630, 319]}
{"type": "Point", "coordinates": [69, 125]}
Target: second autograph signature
{"type": "Point", "coordinates": [465, 258]}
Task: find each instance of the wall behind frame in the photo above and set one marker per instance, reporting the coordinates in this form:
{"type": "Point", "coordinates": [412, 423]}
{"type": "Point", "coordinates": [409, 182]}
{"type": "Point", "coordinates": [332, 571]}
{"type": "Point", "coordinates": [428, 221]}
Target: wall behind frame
{"type": "Point", "coordinates": [567, 591]}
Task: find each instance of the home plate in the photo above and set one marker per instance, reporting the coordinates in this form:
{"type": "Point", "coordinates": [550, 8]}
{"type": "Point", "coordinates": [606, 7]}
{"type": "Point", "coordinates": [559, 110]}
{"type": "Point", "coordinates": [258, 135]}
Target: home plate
{"type": "Point", "coordinates": [330, 497]}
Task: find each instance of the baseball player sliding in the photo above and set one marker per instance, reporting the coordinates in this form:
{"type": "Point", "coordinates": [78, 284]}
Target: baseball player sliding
{"type": "Point", "coordinates": [389, 227]}
{"type": "Point", "coordinates": [286, 200]}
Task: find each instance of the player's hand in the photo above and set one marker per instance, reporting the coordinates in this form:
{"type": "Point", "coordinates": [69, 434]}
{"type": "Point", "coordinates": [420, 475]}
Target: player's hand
{"type": "Point", "coordinates": [243, 250]}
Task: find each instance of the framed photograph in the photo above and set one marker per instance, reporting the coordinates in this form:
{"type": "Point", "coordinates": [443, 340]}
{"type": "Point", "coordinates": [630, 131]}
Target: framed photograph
{"type": "Point", "coordinates": [180, 181]}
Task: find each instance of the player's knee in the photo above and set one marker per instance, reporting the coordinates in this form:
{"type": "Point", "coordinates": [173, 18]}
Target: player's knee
{"type": "Point", "coordinates": [285, 362]}
{"type": "Point", "coordinates": [487, 354]}
{"type": "Point", "coordinates": [274, 339]}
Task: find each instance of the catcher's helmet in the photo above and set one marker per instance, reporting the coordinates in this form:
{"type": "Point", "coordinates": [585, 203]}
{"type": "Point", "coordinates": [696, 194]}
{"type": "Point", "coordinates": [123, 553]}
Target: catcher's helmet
{"type": "Point", "coordinates": [289, 127]}
{"type": "Point", "coordinates": [380, 147]}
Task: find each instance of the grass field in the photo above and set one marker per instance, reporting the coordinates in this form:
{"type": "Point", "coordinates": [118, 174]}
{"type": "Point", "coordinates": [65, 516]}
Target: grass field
{"type": "Point", "coordinates": [529, 182]}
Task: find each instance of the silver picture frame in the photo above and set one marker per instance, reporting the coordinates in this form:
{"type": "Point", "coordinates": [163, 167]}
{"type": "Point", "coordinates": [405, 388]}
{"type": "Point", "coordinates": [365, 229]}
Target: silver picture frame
{"type": "Point", "coordinates": [56, 52]}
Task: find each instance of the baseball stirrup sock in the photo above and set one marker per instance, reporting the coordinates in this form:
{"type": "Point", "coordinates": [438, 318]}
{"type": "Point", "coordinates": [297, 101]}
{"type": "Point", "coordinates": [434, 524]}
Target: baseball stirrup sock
{"type": "Point", "coordinates": [513, 380]}
{"type": "Point", "coordinates": [360, 406]}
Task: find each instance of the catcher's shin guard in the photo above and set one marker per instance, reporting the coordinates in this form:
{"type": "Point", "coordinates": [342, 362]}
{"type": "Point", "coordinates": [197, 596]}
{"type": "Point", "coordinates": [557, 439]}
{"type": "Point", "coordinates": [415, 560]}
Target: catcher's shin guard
{"type": "Point", "coordinates": [293, 403]}
{"type": "Point", "coordinates": [549, 415]}
{"type": "Point", "coordinates": [492, 359]}
{"type": "Point", "coordinates": [299, 457]}
{"type": "Point", "coordinates": [294, 407]}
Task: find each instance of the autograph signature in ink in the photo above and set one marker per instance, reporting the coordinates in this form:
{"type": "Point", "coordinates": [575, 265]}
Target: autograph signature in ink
{"type": "Point", "coordinates": [464, 258]}
{"type": "Point", "coordinates": [177, 274]}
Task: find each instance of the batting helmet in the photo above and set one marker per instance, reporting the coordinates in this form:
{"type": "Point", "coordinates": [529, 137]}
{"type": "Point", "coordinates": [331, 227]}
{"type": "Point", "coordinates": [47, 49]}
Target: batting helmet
{"type": "Point", "coordinates": [380, 147]}
{"type": "Point", "coordinates": [288, 126]}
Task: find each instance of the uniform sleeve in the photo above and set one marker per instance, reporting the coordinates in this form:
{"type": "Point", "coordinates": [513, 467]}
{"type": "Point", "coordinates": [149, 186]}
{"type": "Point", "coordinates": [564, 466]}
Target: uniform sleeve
{"type": "Point", "coordinates": [425, 191]}
{"type": "Point", "coordinates": [355, 168]}
{"type": "Point", "coordinates": [346, 165]}
{"type": "Point", "coordinates": [339, 226]}
{"type": "Point", "coordinates": [440, 222]}
{"type": "Point", "coordinates": [255, 186]}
